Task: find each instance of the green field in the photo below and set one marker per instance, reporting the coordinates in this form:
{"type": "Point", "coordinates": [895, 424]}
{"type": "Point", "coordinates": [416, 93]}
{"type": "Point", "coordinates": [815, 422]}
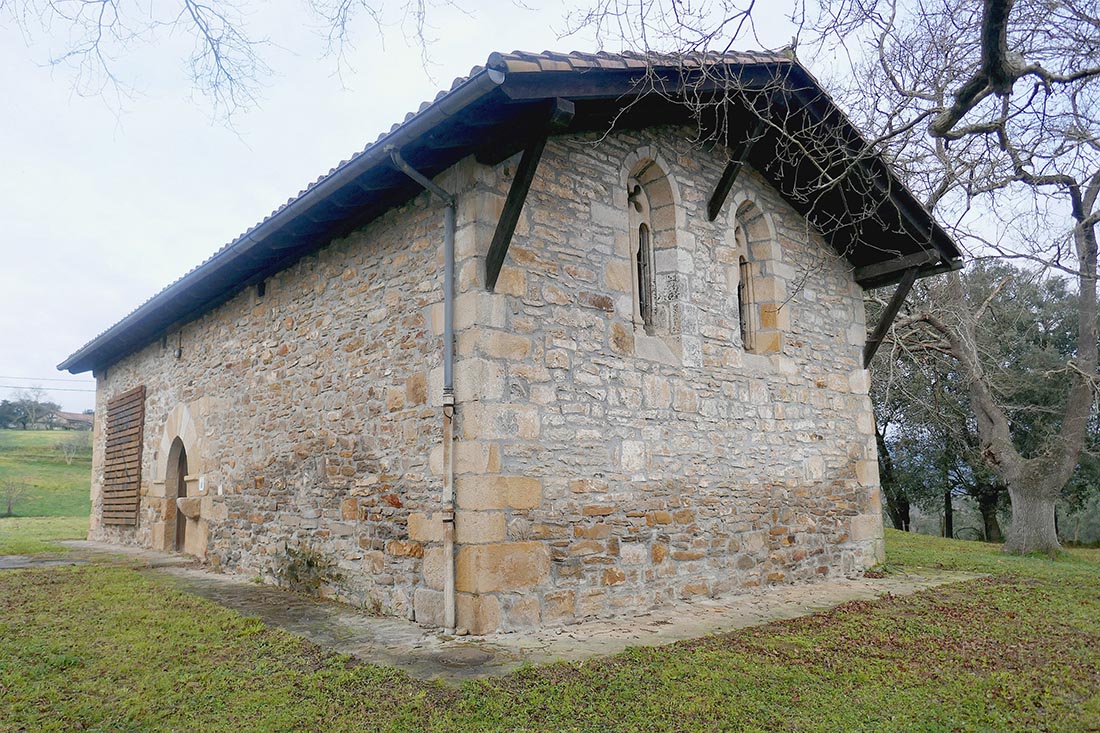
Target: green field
{"type": "Point", "coordinates": [32, 458]}
{"type": "Point", "coordinates": [106, 648]}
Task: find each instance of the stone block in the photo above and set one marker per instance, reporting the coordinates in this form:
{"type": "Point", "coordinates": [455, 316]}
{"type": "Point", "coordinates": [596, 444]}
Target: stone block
{"type": "Point", "coordinates": [479, 527]}
{"type": "Point", "coordinates": [613, 576]}
{"type": "Point", "coordinates": [769, 342]}
{"type": "Point", "coordinates": [621, 338]}
{"type": "Point", "coordinates": [505, 566]}
{"type": "Point", "coordinates": [374, 561]}
{"type": "Point", "coordinates": [395, 399]}
{"type": "Point", "coordinates": [586, 547]}
{"type": "Point", "coordinates": [866, 527]}
{"type": "Point", "coordinates": [416, 389]}
{"type": "Point", "coordinates": [428, 607]}
{"type": "Point", "coordinates": [487, 493]}
{"type": "Point", "coordinates": [477, 614]}
{"type": "Point", "coordinates": [503, 345]}
{"type": "Point", "coordinates": [867, 473]}
{"type": "Point", "coordinates": [633, 456]}
{"type": "Point", "coordinates": [511, 281]}
{"type": "Point", "coordinates": [588, 486]}
{"type": "Point", "coordinates": [399, 548]}
{"type": "Point", "coordinates": [425, 528]}
{"type": "Point", "coordinates": [478, 379]}
{"type": "Point", "coordinates": [618, 276]}
{"type": "Point", "coordinates": [189, 506]}
{"type": "Point", "coordinates": [479, 309]}
{"type": "Point", "coordinates": [697, 588]}
{"type": "Point", "coordinates": [523, 613]}
{"type": "Point", "coordinates": [470, 457]}
{"type": "Point", "coordinates": [775, 316]}
{"type": "Point", "coordinates": [349, 509]}
{"type": "Point", "coordinates": [558, 607]}
{"type": "Point", "coordinates": [500, 421]}
{"type": "Point", "coordinates": [432, 568]}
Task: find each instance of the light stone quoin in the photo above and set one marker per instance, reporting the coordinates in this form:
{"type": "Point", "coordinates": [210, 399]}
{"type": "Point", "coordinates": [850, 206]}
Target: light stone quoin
{"type": "Point", "coordinates": [600, 470]}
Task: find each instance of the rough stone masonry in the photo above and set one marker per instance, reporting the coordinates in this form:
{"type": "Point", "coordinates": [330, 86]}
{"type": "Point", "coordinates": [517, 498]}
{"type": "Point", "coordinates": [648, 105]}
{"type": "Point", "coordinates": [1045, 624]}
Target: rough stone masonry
{"type": "Point", "coordinates": [603, 466]}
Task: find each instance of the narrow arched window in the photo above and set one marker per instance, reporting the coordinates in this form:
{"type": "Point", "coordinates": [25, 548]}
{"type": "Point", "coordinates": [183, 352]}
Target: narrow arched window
{"type": "Point", "coordinates": [644, 257]}
{"type": "Point", "coordinates": [745, 305]}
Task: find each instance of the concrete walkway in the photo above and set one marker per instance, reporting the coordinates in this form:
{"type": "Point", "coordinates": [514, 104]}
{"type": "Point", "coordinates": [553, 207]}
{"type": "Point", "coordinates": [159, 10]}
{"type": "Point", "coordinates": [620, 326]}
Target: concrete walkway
{"type": "Point", "coordinates": [427, 654]}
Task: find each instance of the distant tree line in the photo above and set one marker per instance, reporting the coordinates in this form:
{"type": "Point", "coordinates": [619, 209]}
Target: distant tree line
{"type": "Point", "coordinates": [31, 408]}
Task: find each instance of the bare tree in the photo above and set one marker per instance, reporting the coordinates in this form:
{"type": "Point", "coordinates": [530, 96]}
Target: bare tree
{"type": "Point", "coordinates": [226, 61]}
{"type": "Point", "coordinates": [34, 406]}
{"type": "Point", "coordinates": [74, 444]}
{"type": "Point", "coordinates": [1028, 161]}
{"type": "Point", "coordinates": [11, 493]}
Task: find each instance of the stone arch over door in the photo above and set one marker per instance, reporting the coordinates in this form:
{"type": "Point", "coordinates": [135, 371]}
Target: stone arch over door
{"type": "Point", "coordinates": [180, 439]}
{"type": "Point", "coordinates": [175, 487]}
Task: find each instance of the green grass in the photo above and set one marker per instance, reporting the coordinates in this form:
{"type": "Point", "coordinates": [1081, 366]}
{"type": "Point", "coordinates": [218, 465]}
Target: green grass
{"type": "Point", "coordinates": [56, 488]}
{"type": "Point", "coordinates": [110, 649]}
{"type": "Point", "coordinates": [39, 535]}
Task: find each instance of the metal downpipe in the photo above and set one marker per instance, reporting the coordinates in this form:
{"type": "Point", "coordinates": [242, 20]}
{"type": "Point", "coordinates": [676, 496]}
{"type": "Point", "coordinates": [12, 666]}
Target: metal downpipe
{"type": "Point", "coordinates": [448, 498]}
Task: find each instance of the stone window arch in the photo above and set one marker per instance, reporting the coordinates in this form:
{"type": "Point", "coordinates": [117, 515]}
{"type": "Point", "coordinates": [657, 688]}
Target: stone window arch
{"type": "Point", "coordinates": [665, 327]}
{"type": "Point", "coordinates": [762, 313]}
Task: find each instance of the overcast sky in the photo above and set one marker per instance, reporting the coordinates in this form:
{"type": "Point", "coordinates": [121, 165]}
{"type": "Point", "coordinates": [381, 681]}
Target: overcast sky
{"type": "Point", "coordinates": [102, 204]}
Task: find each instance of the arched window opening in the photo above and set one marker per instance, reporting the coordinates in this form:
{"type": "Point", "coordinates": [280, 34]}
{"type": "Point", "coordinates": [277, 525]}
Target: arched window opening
{"type": "Point", "coordinates": [642, 256]}
{"type": "Point", "coordinates": [745, 305]}
{"type": "Point", "coordinates": [761, 315]}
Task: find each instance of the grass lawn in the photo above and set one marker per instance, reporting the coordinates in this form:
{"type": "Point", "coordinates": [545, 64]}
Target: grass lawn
{"type": "Point", "coordinates": [110, 649]}
{"type": "Point", "coordinates": [38, 535]}
{"type": "Point", "coordinates": [56, 488]}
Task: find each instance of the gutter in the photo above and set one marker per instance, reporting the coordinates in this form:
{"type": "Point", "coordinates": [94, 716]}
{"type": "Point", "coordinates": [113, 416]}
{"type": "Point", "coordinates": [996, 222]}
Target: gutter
{"type": "Point", "coordinates": [469, 92]}
{"type": "Point", "coordinates": [447, 500]}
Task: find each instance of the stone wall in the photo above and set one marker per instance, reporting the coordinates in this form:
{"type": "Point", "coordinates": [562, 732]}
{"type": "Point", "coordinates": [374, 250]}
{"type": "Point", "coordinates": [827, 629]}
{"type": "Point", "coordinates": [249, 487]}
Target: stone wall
{"type": "Point", "coordinates": [604, 470]}
{"type": "Point", "coordinates": [304, 412]}
{"type": "Point", "coordinates": [600, 469]}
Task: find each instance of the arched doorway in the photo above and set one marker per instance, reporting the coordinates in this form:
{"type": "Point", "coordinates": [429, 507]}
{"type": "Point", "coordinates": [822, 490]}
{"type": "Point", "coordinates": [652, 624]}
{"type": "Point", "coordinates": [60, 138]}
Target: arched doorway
{"type": "Point", "coordinates": [176, 486]}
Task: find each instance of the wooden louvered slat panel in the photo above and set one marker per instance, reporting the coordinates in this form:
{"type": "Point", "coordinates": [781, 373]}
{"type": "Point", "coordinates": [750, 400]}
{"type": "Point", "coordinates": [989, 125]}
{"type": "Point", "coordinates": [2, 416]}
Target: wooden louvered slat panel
{"type": "Point", "coordinates": [121, 488]}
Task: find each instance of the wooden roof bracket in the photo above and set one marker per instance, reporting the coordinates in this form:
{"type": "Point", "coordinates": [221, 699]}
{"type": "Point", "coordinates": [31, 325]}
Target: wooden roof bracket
{"type": "Point", "coordinates": [561, 114]}
{"type": "Point", "coordinates": [733, 167]}
{"type": "Point", "coordinates": [889, 315]}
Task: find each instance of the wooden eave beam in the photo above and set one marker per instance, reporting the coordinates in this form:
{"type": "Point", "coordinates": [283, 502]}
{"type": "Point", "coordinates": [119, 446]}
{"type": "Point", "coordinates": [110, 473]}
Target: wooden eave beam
{"type": "Point", "coordinates": [560, 116]}
{"type": "Point", "coordinates": [889, 315]}
{"type": "Point", "coordinates": [733, 167]}
{"type": "Point", "coordinates": [880, 270]}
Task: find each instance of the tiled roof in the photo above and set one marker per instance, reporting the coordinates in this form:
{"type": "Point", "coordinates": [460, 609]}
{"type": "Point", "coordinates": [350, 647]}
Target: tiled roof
{"type": "Point", "coordinates": [227, 269]}
{"type": "Point", "coordinates": [516, 62]}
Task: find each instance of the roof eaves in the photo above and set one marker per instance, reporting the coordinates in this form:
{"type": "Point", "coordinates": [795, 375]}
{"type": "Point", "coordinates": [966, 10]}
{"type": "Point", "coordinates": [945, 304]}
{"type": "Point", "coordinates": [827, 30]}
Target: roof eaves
{"type": "Point", "coordinates": [446, 104]}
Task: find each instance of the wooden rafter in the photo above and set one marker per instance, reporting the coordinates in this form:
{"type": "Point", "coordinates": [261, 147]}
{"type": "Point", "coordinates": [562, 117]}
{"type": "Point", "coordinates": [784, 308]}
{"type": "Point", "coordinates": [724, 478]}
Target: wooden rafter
{"type": "Point", "coordinates": [737, 159]}
{"type": "Point", "coordinates": [888, 315]}
{"type": "Point", "coordinates": [560, 116]}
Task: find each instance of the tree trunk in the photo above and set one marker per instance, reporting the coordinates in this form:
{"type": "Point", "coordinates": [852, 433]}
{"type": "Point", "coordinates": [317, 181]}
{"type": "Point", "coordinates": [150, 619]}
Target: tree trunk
{"type": "Point", "coordinates": [897, 503]}
{"type": "Point", "coordinates": [897, 507]}
{"type": "Point", "coordinates": [1033, 528]}
{"type": "Point", "coordinates": [948, 515]}
{"type": "Point", "coordinates": [987, 505]}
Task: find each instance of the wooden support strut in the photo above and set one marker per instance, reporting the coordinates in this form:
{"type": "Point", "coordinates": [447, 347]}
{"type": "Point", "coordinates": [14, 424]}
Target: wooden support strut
{"type": "Point", "coordinates": [733, 167]}
{"type": "Point", "coordinates": [560, 117]}
{"type": "Point", "coordinates": [889, 314]}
